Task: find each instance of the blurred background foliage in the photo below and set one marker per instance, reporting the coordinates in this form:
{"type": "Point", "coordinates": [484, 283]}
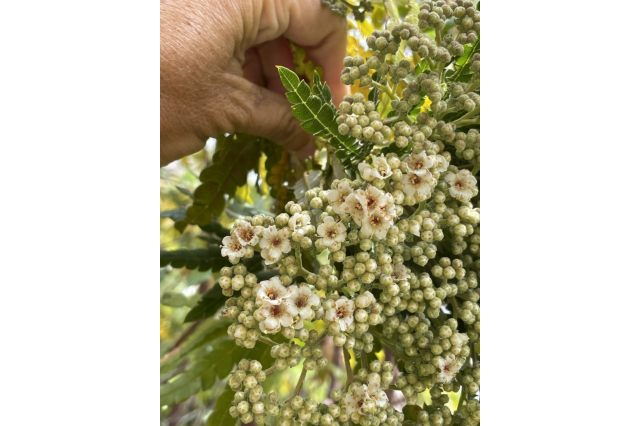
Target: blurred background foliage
{"type": "Point", "coordinates": [196, 354]}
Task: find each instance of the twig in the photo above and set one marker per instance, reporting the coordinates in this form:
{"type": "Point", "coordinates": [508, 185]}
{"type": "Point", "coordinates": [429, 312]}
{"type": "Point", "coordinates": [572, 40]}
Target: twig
{"type": "Point", "coordinates": [299, 385]}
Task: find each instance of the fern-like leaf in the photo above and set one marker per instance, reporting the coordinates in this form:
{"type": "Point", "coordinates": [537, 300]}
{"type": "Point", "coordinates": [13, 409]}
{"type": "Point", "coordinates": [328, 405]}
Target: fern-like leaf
{"type": "Point", "coordinates": [318, 115]}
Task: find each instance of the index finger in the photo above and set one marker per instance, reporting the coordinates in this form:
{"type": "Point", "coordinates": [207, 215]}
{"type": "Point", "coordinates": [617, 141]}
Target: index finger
{"type": "Point", "coordinates": [321, 33]}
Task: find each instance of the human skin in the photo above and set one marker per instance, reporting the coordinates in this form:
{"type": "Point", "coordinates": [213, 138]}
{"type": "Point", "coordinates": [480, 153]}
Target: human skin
{"type": "Point", "coordinates": [218, 69]}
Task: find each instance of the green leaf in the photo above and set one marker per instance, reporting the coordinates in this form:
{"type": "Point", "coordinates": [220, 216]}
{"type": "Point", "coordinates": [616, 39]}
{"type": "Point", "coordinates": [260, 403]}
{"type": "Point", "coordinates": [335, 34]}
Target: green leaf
{"type": "Point", "coordinates": [464, 62]}
{"type": "Point", "coordinates": [289, 78]}
{"type": "Point", "coordinates": [220, 360]}
{"type": "Point", "coordinates": [220, 415]}
{"type": "Point", "coordinates": [207, 332]}
{"type": "Point", "coordinates": [200, 259]}
{"type": "Point", "coordinates": [318, 116]}
{"type": "Point", "coordinates": [234, 157]}
{"type": "Point", "coordinates": [209, 305]}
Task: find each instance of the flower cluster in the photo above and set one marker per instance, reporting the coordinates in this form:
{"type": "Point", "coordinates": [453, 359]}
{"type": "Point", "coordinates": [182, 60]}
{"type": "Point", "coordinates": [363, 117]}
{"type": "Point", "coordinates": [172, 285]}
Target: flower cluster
{"type": "Point", "coordinates": [386, 259]}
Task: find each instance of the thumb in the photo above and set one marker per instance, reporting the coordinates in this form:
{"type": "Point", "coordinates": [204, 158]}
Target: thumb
{"type": "Point", "coordinates": [268, 114]}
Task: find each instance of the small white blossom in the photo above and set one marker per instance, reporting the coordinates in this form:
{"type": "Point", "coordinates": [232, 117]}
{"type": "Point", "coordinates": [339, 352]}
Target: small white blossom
{"type": "Point", "coordinates": [420, 164]}
{"type": "Point", "coordinates": [380, 169]}
{"type": "Point", "coordinates": [416, 184]}
{"type": "Point", "coordinates": [337, 197]}
{"type": "Point", "coordinates": [356, 206]}
{"type": "Point", "coordinates": [246, 233]}
{"type": "Point", "coordinates": [332, 232]}
{"type": "Point", "coordinates": [375, 393]}
{"type": "Point", "coordinates": [342, 312]}
{"type": "Point", "coordinates": [274, 243]}
{"type": "Point", "coordinates": [376, 224]}
{"type": "Point", "coordinates": [298, 221]}
{"type": "Point", "coordinates": [400, 272]}
{"type": "Point", "coordinates": [303, 299]}
{"type": "Point", "coordinates": [449, 367]}
{"type": "Point", "coordinates": [272, 292]}
{"type": "Point", "coordinates": [355, 398]}
{"type": "Point", "coordinates": [233, 248]}
{"type": "Point", "coordinates": [273, 317]}
{"type": "Point", "coordinates": [461, 184]}
{"type": "Point", "coordinates": [443, 164]}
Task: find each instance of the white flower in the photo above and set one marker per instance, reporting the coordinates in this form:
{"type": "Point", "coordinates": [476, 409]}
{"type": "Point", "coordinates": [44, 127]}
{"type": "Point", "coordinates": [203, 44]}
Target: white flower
{"type": "Point", "coordinates": [414, 183]}
{"type": "Point", "coordinates": [376, 224]}
{"type": "Point", "coordinates": [386, 205]}
{"type": "Point", "coordinates": [449, 367]}
{"type": "Point", "coordinates": [461, 184]}
{"type": "Point", "coordinates": [303, 299]}
{"type": "Point", "coordinates": [375, 198]}
{"type": "Point", "coordinates": [246, 233]}
{"type": "Point", "coordinates": [356, 206]}
{"type": "Point", "coordinates": [365, 299]}
{"type": "Point", "coordinates": [298, 221]}
{"type": "Point", "coordinates": [232, 248]}
{"type": "Point", "coordinates": [274, 243]}
{"type": "Point", "coordinates": [376, 393]}
{"type": "Point", "coordinates": [380, 169]}
{"type": "Point", "coordinates": [342, 312]}
{"type": "Point", "coordinates": [420, 164]}
{"type": "Point", "coordinates": [443, 164]}
{"type": "Point", "coordinates": [337, 197]}
{"type": "Point", "coordinates": [332, 232]}
{"type": "Point", "coordinates": [355, 399]}
{"type": "Point", "coordinates": [272, 292]}
{"type": "Point", "coordinates": [400, 272]}
{"type": "Point", "coordinates": [273, 317]}
{"type": "Point", "coordinates": [366, 398]}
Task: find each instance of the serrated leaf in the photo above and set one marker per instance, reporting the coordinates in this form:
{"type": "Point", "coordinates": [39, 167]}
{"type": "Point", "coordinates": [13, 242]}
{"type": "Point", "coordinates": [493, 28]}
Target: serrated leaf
{"type": "Point", "coordinates": [201, 259]}
{"type": "Point", "coordinates": [207, 332]}
{"type": "Point", "coordinates": [302, 112]}
{"type": "Point", "coordinates": [235, 156]}
{"type": "Point", "coordinates": [224, 354]}
{"type": "Point", "coordinates": [463, 62]}
{"type": "Point", "coordinates": [209, 305]}
{"type": "Point", "coordinates": [220, 415]}
{"type": "Point", "coordinates": [293, 98]}
{"type": "Point", "coordinates": [313, 126]}
{"type": "Point", "coordinates": [289, 78]}
{"type": "Point", "coordinates": [319, 106]}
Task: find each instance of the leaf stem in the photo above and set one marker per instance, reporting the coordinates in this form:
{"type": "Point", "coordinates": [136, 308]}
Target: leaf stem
{"type": "Point", "coordinates": [364, 360]}
{"type": "Point", "coordinates": [463, 398]}
{"type": "Point", "coordinates": [270, 370]}
{"type": "Point", "coordinates": [267, 341]}
{"type": "Point", "coordinates": [347, 366]}
{"type": "Point", "coordinates": [454, 306]}
{"type": "Point", "coordinates": [299, 385]}
{"type": "Point", "coordinates": [386, 89]}
{"type": "Point", "coordinates": [467, 122]}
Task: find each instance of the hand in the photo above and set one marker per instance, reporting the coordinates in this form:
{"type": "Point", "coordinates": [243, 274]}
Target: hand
{"type": "Point", "coordinates": [216, 56]}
